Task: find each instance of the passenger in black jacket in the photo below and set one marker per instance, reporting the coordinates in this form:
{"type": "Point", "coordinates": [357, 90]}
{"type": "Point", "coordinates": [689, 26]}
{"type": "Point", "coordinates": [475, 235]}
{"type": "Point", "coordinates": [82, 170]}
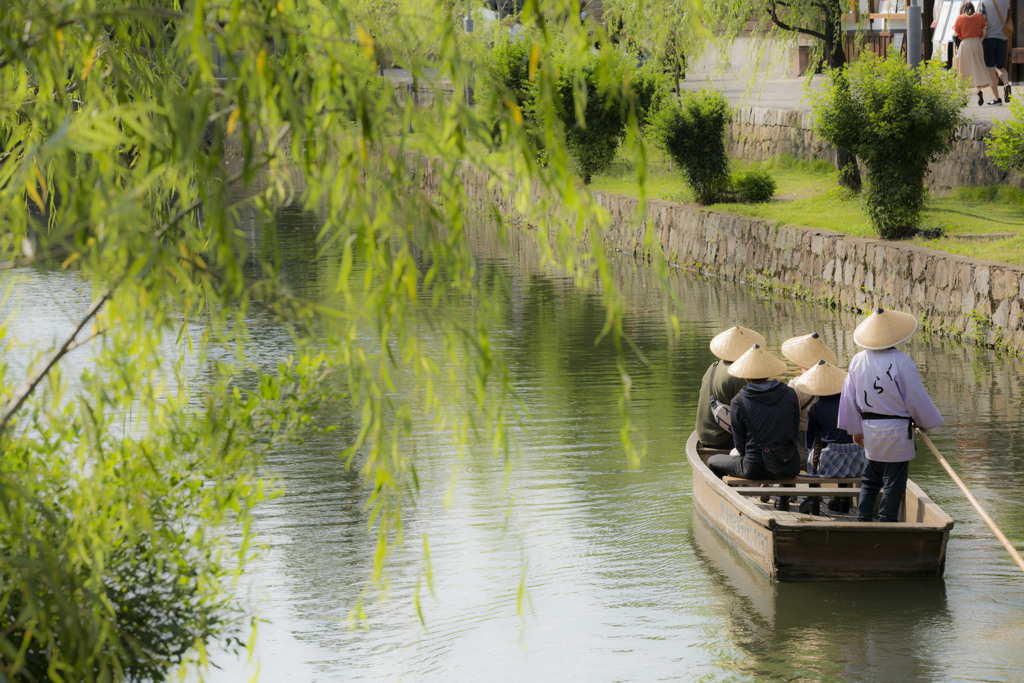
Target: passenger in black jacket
{"type": "Point", "coordinates": [765, 422]}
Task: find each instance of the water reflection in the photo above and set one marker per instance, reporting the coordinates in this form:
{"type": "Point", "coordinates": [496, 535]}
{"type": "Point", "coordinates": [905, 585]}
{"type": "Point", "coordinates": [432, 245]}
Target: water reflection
{"type": "Point", "coordinates": [819, 629]}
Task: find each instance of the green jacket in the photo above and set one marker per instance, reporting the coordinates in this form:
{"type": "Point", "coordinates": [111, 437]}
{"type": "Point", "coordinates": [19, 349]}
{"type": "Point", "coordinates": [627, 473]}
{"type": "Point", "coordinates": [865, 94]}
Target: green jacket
{"type": "Point", "coordinates": [726, 386]}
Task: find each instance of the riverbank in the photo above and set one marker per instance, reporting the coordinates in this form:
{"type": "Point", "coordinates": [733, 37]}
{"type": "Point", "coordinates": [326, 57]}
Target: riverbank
{"type": "Point", "coordinates": [973, 300]}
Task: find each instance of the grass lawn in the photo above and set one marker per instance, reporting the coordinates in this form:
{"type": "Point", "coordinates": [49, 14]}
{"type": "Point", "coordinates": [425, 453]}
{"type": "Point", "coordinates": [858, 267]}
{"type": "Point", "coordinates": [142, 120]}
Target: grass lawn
{"type": "Point", "coordinates": [985, 222]}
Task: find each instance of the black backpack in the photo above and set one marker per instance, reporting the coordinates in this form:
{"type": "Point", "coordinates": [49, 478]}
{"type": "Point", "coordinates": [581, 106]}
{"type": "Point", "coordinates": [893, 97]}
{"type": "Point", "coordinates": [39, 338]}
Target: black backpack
{"type": "Point", "coordinates": [780, 459]}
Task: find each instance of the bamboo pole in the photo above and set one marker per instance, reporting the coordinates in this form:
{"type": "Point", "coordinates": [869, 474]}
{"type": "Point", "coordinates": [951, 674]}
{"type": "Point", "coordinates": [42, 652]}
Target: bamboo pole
{"type": "Point", "coordinates": [977, 506]}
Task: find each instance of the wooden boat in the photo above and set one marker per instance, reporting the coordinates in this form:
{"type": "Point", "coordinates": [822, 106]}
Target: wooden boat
{"type": "Point", "coordinates": [791, 546]}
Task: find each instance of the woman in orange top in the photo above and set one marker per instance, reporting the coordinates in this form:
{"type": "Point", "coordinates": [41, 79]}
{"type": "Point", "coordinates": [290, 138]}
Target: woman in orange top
{"type": "Point", "coordinates": [970, 57]}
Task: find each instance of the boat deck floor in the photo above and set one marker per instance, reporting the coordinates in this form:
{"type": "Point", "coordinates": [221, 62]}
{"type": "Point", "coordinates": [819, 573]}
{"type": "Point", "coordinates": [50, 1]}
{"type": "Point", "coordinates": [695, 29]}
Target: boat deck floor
{"type": "Point", "coordinates": [794, 516]}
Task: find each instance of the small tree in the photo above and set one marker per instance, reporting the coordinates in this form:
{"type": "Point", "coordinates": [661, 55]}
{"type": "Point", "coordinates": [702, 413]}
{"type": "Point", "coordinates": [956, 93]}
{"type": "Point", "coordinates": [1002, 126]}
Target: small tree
{"type": "Point", "coordinates": [509, 69]}
{"type": "Point", "coordinates": [693, 135]}
{"type": "Point", "coordinates": [593, 111]}
{"type": "Point", "coordinates": [1006, 146]}
{"type": "Point", "coordinates": [897, 120]}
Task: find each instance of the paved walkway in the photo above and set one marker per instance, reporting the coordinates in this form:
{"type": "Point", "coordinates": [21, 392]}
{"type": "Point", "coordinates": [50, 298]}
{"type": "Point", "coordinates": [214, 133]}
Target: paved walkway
{"type": "Point", "coordinates": [792, 93]}
{"type": "Point", "coordinates": [780, 93]}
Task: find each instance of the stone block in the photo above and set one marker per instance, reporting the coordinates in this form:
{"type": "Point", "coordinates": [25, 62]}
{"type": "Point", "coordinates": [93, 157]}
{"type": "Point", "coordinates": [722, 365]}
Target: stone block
{"type": "Point", "coordinates": [967, 302]}
{"type": "Point", "coordinates": [1001, 315]}
{"type": "Point", "coordinates": [981, 280]}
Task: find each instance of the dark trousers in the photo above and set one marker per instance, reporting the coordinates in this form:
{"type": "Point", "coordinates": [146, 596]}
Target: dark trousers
{"type": "Point", "coordinates": [891, 479]}
{"type": "Point", "coordinates": [736, 466]}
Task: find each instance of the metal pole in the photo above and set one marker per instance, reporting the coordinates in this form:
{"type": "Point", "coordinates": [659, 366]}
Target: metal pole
{"type": "Point", "coordinates": [467, 23]}
{"type": "Point", "coordinates": [913, 33]}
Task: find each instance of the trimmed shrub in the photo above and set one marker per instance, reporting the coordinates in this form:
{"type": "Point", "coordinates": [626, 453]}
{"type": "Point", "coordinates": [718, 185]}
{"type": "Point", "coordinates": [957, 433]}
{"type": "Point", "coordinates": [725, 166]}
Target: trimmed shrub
{"type": "Point", "coordinates": [693, 135]}
{"type": "Point", "coordinates": [509, 82]}
{"type": "Point", "coordinates": [754, 187]}
{"type": "Point", "coordinates": [896, 120]}
{"type": "Point", "coordinates": [592, 109]}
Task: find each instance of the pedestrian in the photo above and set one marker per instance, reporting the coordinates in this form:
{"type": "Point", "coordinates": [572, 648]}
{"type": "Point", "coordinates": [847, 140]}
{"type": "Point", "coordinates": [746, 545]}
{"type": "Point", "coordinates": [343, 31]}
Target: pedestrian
{"type": "Point", "coordinates": [997, 16]}
{"type": "Point", "coordinates": [969, 27]}
{"type": "Point", "coordinates": [718, 387]}
{"type": "Point", "coordinates": [882, 401]}
{"type": "Point", "coordinates": [765, 417]}
{"type": "Point", "coordinates": [832, 450]}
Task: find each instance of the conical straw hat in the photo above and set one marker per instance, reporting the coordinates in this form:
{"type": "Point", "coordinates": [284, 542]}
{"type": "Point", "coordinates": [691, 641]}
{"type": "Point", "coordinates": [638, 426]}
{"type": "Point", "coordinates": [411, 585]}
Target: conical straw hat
{"type": "Point", "coordinates": [883, 329]}
{"type": "Point", "coordinates": [734, 342]}
{"type": "Point", "coordinates": [824, 379]}
{"type": "Point", "coordinates": [807, 350]}
{"type": "Point", "coordinates": [757, 363]}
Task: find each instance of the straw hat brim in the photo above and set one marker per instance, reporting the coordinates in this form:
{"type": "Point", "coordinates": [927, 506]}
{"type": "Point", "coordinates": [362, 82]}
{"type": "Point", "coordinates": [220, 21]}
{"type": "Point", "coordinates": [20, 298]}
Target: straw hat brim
{"type": "Point", "coordinates": [807, 350]}
{"type": "Point", "coordinates": [883, 329]}
{"type": "Point", "coordinates": [757, 363]}
{"type": "Point", "coordinates": [734, 342]}
{"type": "Point", "coordinates": [824, 379]}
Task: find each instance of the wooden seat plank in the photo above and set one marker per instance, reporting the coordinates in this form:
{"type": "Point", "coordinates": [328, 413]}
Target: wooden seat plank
{"type": "Point", "coordinates": [796, 491]}
{"type": "Point", "coordinates": [801, 479]}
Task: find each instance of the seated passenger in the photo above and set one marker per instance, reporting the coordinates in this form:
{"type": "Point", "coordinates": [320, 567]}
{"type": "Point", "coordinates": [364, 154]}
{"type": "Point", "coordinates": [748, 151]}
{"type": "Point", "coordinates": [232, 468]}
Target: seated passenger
{"type": "Point", "coordinates": [805, 352]}
{"type": "Point", "coordinates": [832, 451]}
{"type": "Point", "coordinates": [765, 418]}
{"type": "Point", "coordinates": [712, 426]}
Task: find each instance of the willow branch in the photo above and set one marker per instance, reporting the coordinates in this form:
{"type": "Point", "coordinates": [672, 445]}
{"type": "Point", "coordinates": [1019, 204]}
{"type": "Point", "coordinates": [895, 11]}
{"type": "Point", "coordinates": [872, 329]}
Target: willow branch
{"type": "Point", "coordinates": [773, 12]}
{"type": "Point", "coordinates": [69, 344]}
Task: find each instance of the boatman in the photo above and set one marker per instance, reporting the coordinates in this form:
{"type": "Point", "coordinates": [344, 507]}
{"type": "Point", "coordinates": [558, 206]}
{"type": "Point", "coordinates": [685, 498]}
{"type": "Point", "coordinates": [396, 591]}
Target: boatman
{"type": "Point", "coordinates": [718, 387]}
{"type": "Point", "coordinates": [882, 401]}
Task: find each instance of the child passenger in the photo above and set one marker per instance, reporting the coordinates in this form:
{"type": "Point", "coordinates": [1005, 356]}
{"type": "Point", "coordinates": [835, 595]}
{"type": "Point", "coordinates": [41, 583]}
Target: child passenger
{"type": "Point", "coordinates": [832, 450]}
{"type": "Point", "coordinates": [882, 401]}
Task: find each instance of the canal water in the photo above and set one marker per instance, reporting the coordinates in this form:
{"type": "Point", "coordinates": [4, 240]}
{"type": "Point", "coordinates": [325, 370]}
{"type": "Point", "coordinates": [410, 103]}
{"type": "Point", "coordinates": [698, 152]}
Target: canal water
{"type": "Point", "coordinates": [571, 562]}
{"type": "Point", "coordinates": [576, 564]}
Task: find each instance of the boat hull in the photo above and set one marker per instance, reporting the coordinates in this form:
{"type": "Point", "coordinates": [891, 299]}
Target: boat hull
{"type": "Point", "coordinates": [794, 547]}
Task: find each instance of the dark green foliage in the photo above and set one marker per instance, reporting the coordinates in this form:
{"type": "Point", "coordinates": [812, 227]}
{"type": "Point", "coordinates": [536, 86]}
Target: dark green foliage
{"type": "Point", "coordinates": [896, 120]}
{"type": "Point", "coordinates": [1006, 145]}
{"type": "Point", "coordinates": [593, 112]}
{"type": "Point", "coordinates": [754, 187]}
{"type": "Point", "coordinates": [693, 135]}
{"type": "Point", "coordinates": [151, 598]}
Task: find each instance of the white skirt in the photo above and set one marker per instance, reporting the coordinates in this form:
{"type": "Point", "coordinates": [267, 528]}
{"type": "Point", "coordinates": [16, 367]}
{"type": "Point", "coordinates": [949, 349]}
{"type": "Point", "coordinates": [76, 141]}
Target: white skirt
{"type": "Point", "coordinates": [970, 63]}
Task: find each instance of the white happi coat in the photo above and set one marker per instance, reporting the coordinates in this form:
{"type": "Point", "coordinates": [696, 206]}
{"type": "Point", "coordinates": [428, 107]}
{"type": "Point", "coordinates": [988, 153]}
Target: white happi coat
{"type": "Point", "coordinates": [885, 382]}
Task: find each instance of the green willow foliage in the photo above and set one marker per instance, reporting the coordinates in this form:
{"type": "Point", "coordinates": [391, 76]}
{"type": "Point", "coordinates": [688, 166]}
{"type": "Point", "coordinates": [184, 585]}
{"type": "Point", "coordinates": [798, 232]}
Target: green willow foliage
{"type": "Point", "coordinates": [132, 135]}
{"type": "Point", "coordinates": [896, 120]}
{"type": "Point", "coordinates": [661, 33]}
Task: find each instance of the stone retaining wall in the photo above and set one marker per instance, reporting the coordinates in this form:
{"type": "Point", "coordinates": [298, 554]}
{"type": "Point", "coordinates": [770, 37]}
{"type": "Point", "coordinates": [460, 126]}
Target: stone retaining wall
{"type": "Point", "coordinates": [959, 296]}
{"type": "Point", "coordinates": [759, 133]}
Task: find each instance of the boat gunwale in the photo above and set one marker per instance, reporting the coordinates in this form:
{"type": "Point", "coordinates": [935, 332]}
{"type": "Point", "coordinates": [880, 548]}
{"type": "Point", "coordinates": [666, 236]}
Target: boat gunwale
{"type": "Point", "coordinates": [773, 522]}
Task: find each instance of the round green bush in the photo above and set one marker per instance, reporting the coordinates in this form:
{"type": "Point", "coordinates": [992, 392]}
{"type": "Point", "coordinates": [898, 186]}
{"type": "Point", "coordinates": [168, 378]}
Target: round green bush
{"type": "Point", "coordinates": [754, 187]}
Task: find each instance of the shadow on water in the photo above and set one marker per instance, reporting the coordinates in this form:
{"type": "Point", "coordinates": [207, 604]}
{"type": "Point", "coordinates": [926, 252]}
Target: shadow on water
{"type": "Point", "coordinates": [778, 630]}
